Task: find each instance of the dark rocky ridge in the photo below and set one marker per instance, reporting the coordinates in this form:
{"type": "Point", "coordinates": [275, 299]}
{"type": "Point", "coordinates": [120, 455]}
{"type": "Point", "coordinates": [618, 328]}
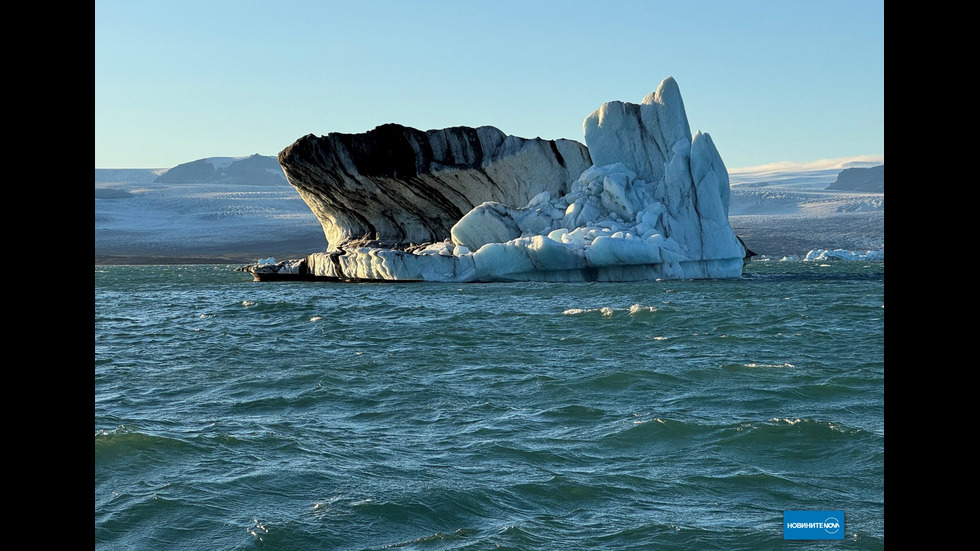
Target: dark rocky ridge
{"type": "Point", "coordinates": [860, 179]}
{"type": "Point", "coordinates": [395, 186]}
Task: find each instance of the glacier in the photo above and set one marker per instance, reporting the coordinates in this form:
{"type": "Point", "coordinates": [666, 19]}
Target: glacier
{"type": "Point", "coordinates": [644, 199]}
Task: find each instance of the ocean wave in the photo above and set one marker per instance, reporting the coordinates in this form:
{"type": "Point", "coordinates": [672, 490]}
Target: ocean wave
{"type": "Point", "coordinates": [776, 431]}
{"type": "Point", "coordinates": [754, 365]}
{"type": "Point", "coordinates": [820, 255]}
{"type": "Point", "coordinates": [122, 442]}
{"type": "Point", "coordinates": [606, 312]}
{"type": "Point", "coordinates": [407, 413]}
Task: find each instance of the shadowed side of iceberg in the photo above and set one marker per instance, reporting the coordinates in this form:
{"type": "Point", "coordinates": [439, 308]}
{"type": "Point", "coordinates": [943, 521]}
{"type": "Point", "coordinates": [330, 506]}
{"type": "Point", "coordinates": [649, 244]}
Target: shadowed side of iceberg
{"type": "Point", "coordinates": [395, 186]}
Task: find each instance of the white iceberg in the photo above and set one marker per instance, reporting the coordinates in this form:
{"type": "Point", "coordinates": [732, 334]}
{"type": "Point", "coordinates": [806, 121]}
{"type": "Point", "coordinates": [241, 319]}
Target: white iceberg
{"type": "Point", "coordinates": [653, 205]}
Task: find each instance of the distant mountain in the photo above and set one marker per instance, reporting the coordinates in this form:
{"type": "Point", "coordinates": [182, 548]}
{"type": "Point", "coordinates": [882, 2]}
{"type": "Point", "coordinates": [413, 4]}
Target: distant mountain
{"type": "Point", "coordinates": [254, 170]}
{"type": "Point", "coordinates": [860, 179]}
{"type": "Point", "coordinates": [127, 175]}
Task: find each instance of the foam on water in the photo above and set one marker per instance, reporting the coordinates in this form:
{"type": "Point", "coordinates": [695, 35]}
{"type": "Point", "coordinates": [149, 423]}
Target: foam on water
{"type": "Point", "coordinates": [606, 311]}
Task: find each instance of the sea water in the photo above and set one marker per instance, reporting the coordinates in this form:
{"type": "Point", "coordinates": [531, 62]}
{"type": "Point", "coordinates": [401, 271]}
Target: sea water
{"type": "Point", "coordinates": [233, 414]}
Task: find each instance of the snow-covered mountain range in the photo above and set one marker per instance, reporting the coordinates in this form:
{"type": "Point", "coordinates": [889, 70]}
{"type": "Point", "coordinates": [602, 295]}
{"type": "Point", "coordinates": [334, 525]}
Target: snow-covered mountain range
{"type": "Point", "coordinates": [241, 209]}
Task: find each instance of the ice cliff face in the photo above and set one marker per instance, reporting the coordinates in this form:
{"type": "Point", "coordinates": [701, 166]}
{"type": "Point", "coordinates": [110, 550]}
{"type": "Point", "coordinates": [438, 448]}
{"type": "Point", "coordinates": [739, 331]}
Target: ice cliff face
{"type": "Point", "coordinates": [682, 174]}
{"type": "Point", "coordinates": [647, 200]}
{"type": "Point", "coordinates": [871, 179]}
{"type": "Point", "coordinates": [396, 186]}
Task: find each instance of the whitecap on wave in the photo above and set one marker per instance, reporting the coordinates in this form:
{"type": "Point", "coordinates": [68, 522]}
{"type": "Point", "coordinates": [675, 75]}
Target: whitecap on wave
{"type": "Point", "coordinates": [606, 311]}
{"type": "Point", "coordinates": [759, 365]}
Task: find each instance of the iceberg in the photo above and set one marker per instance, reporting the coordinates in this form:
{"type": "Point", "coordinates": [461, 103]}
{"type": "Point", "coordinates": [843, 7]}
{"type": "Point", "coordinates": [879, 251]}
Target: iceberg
{"type": "Point", "coordinates": [644, 199]}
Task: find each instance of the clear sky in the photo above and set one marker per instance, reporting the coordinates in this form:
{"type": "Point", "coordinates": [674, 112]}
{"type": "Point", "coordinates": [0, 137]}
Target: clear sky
{"type": "Point", "coordinates": [770, 80]}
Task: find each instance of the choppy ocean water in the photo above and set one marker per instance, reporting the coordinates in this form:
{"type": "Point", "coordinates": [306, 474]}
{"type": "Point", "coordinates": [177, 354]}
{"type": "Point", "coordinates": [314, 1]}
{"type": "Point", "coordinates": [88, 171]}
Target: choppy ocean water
{"type": "Point", "coordinates": [232, 414]}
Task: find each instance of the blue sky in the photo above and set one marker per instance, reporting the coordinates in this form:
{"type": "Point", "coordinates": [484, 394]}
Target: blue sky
{"type": "Point", "coordinates": [770, 80]}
